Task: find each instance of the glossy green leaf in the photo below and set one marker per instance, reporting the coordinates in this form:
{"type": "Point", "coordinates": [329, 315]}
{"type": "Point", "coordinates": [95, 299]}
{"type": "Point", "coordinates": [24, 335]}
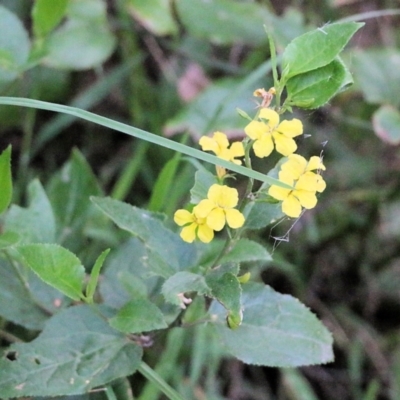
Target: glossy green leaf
{"type": "Point", "coordinates": [36, 223]}
{"type": "Point", "coordinates": [213, 20]}
{"type": "Point", "coordinates": [166, 252]}
{"type": "Point", "coordinates": [155, 15]}
{"type": "Point", "coordinates": [315, 88]}
{"type": "Point", "coordinates": [375, 71]}
{"type": "Point", "coordinates": [77, 351]}
{"type": "Point", "coordinates": [56, 266]}
{"type": "Point", "coordinates": [5, 179]}
{"type": "Point", "coordinates": [14, 48]}
{"type": "Point", "coordinates": [226, 290]}
{"type": "Point", "coordinates": [139, 315]}
{"type": "Point", "coordinates": [94, 275]}
{"type": "Point", "coordinates": [203, 180]}
{"type": "Point", "coordinates": [183, 282]}
{"type": "Point", "coordinates": [386, 123]}
{"type": "Point", "coordinates": [277, 330]}
{"type": "Point", "coordinates": [317, 48]}
{"type": "Point", "coordinates": [47, 14]}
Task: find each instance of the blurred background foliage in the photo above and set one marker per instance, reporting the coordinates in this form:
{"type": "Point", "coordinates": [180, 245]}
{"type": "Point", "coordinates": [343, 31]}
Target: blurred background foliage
{"type": "Point", "coordinates": [180, 68]}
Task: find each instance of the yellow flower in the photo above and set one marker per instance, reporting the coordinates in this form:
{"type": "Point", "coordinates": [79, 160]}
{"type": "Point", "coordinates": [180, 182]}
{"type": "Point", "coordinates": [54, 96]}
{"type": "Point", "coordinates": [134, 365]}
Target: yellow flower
{"type": "Point", "coordinates": [297, 172]}
{"type": "Point", "coordinates": [218, 208]}
{"type": "Point", "coordinates": [267, 132]}
{"type": "Point", "coordinates": [219, 144]}
{"type": "Point", "coordinates": [194, 226]}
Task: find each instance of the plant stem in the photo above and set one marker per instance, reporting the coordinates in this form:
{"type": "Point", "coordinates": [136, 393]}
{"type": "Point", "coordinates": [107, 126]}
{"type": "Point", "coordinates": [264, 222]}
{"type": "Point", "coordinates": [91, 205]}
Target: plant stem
{"type": "Point", "coordinates": [156, 379]}
{"type": "Point", "coordinates": [110, 393]}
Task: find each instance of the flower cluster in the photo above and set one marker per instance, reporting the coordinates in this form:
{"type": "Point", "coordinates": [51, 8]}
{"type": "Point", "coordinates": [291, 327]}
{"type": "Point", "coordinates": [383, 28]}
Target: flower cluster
{"type": "Point", "coordinates": [298, 173]}
{"type": "Point", "coordinates": [210, 215]}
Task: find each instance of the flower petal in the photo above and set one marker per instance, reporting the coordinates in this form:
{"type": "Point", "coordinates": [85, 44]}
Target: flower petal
{"type": "Point", "coordinates": [221, 140]}
{"type": "Point", "coordinates": [271, 116]}
{"type": "Point", "coordinates": [203, 208]}
{"type": "Point", "coordinates": [307, 199]}
{"type": "Point", "coordinates": [291, 128]}
{"type": "Point", "coordinates": [229, 197]}
{"type": "Point", "coordinates": [216, 219]}
{"type": "Point", "coordinates": [315, 163]}
{"type": "Point", "coordinates": [183, 217]}
{"type": "Point", "coordinates": [295, 166]}
{"type": "Point", "coordinates": [278, 192]}
{"type": "Point", "coordinates": [237, 149]}
{"type": "Point", "coordinates": [234, 218]}
{"type": "Point", "coordinates": [283, 144]}
{"type": "Point", "coordinates": [255, 129]}
{"type": "Point", "coordinates": [205, 233]}
{"type": "Point", "coordinates": [209, 144]}
{"type": "Point", "coordinates": [188, 233]}
{"type": "Point", "coordinates": [263, 147]}
{"type": "Point", "coordinates": [291, 206]}
{"type": "Point", "coordinates": [214, 193]}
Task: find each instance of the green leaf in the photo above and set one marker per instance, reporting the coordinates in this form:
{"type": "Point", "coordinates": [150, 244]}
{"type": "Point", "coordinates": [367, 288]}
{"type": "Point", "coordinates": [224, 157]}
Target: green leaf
{"type": "Point", "coordinates": [46, 15]}
{"type": "Point", "coordinates": [375, 70]}
{"type": "Point", "coordinates": [5, 179]}
{"type": "Point", "coordinates": [166, 252]}
{"type": "Point", "coordinates": [155, 15]}
{"type": "Point", "coordinates": [386, 123]}
{"type": "Point", "coordinates": [76, 352]}
{"type": "Point", "coordinates": [261, 214]}
{"type": "Point", "coordinates": [277, 330]}
{"type": "Point", "coordinates": [16, 299]}
{"type": "Point", "coordinates": [203, 180]}
{"type": "Point", "coordinates": [246, 250]}
{"type": "Point", "coordinates": [35, 224]}
{"type": "Point", "coordinates": [14, 46]}
{"type": "Point", "coordinates": [226, 290]}
{"type": "Point", "coordinates": [317, 48]}
{"type": "Point", "coordinates": [214, 20]}
{"type": "Point", "coordinates": [139, 315]}
{"type": "Point", "coordinates": [183, 282]}
{"type": "Point", "coordinates": [8, 239]}
{"type": "Point", "coordinates": [56, 266]}
{"type": "Point", "coordinates": [94, 275]}
{"type": "Point", "coordinates": [315, 88]}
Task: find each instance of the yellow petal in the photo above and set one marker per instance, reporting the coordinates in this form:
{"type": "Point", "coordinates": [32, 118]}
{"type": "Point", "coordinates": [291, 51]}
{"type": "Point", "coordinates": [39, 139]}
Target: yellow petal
{"type": "Point", "coordinates": [308, 181]}
{"type": "Point", "coordinates": [263, 147]}
{"type": "Point", "coordinates": [278, 193]}
{"type": "Point", "coordinates": [321, 185]}
{"type": "Point", "coordinates": [270, 115]}
{"type": "Point", "coordinates": [188, 233]}
{"type": "Point", "coordinates": [203, 208]}
{"type": "Point", "coordinates": [295, 166]}
{"type": "Point", "coordinates": [221, 140]}
{"type": "Point", "coordinates": [283, 144]}
{"type": "Point", "coordinates": [234, 218]}
{"type": "Point", "coordinates": [290, 128]}
{"type": "Point", "coordinates": [315, 163]}
{"type": "Point", "coordinates": [237, 149]}
{"type": "Point", "coordinates": [307, 199]}
{"type": "Point", "coordinates": [214, 193]}
{"type": "Point", "coordinates": [255, 129]}
{"type": "Point", "coordinates": [216, 219]}
{"type": "Point", "coordinates": [205, 233]}
{"type": "Point", "coordinates": [208, 144]}
{"type": "Point", "coordinates": [229, 197]}
{"type": "Point", "coordinates": [183, 217]}
{"type": "Point", "coordinates": [291, 207]}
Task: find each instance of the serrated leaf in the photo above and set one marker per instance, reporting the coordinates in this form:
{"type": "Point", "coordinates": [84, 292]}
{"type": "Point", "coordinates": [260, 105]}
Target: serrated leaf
{"type": "Point", "coordinates": [76, 352]}
{"type": "Point", "coordinates": [277, 330]}
{"type": "Point", "coordinates": [226, 290]}
{"type": "Point", "coordinates": [166, 252]}
{"type": "Point", "coordinates": [246, 250]}
{"type": "Point", "coordinates": [317, 48]}
{"type": "Point", "coordinates": [5, 179]}
{"type": "Point", "coordinates": [139, 315]}
{"type": "Point", "coordinates": [36, 223]}
{"type": "Point", "coordinates": [14, 48]}
{"type": "Point", "coordinates": [56, 266]}
{"type": "Point", "coordinates": [155, 15]}
{"type": "Point", "coordinates": [203, 180]}
{"type": "Point", "coordinates": [315, 88]}
{"type": "Point", "coordinates": [47, 14]}
{"type": "Point", "coordinates": [386, 123]}
{"type": "Point", "coordinates": [183, 282]}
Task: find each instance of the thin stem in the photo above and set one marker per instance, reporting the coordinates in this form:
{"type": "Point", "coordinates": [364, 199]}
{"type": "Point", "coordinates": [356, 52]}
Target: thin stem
{"type": "Point", "coordinates": [110, 393]}
{"type": "Point", "coordinates": [156, 379]}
